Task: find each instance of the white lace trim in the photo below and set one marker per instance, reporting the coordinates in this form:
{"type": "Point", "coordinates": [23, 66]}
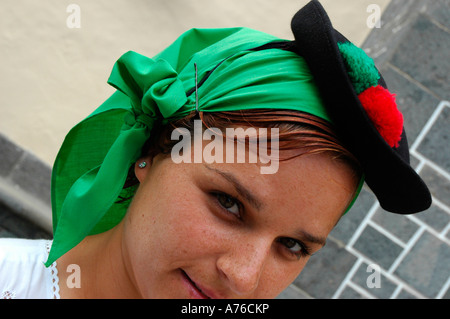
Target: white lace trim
{"type": "Point", "coordinates": [8, 294]}
{"type": "Point", "coordinates": [54, 274]}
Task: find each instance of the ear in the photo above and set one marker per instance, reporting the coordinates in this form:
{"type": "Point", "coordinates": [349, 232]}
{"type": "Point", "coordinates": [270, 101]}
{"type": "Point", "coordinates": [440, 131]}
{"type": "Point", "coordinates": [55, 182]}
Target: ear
{"type": "Point", "coordinates": [141, 168]}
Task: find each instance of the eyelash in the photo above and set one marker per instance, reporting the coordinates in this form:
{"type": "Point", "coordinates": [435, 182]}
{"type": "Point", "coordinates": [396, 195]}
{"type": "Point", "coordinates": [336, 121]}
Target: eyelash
{"type": "Point", "coordinates": [219, 195]}
{"type": "Point", "coordinates": [304, 250]}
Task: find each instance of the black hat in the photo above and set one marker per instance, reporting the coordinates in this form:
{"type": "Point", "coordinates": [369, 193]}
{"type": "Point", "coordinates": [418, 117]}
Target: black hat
{"type": "Point", "coordinates": [363, 111]}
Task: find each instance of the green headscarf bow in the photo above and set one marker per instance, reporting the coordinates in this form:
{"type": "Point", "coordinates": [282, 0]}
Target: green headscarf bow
{"type": "Point", "coordinates": [91, 167]}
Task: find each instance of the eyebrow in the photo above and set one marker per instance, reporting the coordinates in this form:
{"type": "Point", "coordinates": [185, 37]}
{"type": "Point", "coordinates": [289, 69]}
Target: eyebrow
{"type": "Point", "coordinates": [311, 238]}
{"type": "Point", "coordinates": [244, 192]}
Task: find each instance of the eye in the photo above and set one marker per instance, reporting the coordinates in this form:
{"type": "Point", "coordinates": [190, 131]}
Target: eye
{"type": "Point", "coordinates": [229, 203]}
{"type": "Point", "coordinates": [294, 247]}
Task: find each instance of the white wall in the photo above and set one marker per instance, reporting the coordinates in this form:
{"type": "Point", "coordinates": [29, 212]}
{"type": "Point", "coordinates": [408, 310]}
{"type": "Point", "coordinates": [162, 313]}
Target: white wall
{"type": "Point", "coordinates": [52, 76]}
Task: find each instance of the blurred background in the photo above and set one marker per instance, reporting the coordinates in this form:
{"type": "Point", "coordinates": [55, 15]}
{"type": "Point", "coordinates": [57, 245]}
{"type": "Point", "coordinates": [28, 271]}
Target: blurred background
{"type": "Point", "coordinates": [56, 56]}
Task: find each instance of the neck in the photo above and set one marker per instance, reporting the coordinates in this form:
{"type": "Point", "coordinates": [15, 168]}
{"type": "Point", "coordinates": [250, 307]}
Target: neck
{"type": "Point", "coordinates": [102, 272]}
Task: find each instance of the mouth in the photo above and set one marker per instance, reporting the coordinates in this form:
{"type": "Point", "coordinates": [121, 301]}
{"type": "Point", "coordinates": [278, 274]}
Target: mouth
{"type": "Point", "coordinates": [194, 291]}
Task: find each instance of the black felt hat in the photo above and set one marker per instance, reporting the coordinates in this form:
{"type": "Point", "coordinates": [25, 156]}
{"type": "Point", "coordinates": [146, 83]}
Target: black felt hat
{"type": "Point", "coordinates": [362, 109]}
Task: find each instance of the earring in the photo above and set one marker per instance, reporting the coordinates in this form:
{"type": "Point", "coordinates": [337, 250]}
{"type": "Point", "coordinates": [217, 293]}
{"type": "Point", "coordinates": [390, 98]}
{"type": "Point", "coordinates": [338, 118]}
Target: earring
{"type": "Point", "coordinates": [142, 164]}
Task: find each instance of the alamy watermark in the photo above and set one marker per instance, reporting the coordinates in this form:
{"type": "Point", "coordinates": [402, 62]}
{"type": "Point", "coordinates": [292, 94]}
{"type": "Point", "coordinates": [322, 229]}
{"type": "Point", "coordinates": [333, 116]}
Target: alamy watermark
{"type": "Point", "coordinates": [73, 21]}
{"type": "Point", "coordinates": [374, 279]}
{"type": "Point", "coordinates": [207, 146]}
{"type": "Point", "coordinates": [374, 19]}
{"type": "Point", "coordinates": [74, 279]}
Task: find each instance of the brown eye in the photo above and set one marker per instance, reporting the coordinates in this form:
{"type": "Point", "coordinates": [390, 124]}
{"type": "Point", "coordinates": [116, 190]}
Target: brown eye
{"type": "Point", "coordinates": [229, 203]}
{"type": "Point", "coordinates": [293, 245]}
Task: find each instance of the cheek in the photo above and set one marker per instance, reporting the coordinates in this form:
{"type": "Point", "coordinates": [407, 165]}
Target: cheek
{"type": "Point", "coordinates": [167, 229]}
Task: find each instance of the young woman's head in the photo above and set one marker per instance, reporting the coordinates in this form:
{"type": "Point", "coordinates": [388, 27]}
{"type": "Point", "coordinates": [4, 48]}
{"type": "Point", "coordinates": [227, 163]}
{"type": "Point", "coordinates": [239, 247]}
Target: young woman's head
{"type": "Point", "coordinates": [216, 225]}
{"type": "Point", "coordinates": [224, 230]}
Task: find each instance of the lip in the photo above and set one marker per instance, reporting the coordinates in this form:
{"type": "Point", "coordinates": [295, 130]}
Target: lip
{"type": "Point", "coordinates": [195, 290]}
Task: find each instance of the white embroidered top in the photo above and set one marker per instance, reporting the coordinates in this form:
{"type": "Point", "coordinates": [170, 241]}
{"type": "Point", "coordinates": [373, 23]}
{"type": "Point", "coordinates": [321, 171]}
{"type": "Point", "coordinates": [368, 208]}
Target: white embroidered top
{"type": "Point", "coordinates": [22, 271]}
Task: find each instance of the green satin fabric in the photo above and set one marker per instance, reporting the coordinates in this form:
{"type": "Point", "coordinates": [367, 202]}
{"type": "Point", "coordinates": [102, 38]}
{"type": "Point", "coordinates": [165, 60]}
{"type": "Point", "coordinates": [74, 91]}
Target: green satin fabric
{"type": "Point", "coordinates": [93, 162]}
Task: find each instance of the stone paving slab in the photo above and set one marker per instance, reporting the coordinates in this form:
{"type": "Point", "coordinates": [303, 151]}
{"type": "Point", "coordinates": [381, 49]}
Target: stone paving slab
{"type": "Point", "coordinates": [427, 265]}
{"type": "Point", "coordinates": [437, 141]}
{"type": "Point", "coordinates": [421, 53]}
{"type": "Point", "coordinates": [325, 271]}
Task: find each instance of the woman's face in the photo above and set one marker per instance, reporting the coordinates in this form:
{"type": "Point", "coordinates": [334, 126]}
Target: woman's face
{"type": "Point", "coordinates": [226, 230]}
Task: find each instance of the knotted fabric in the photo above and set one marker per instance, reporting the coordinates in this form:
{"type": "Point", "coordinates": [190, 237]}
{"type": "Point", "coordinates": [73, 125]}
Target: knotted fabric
{"type": "Point", "coordinates": [92, 165]}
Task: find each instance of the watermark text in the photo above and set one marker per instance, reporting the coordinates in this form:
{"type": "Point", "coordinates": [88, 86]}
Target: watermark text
{"type": "Point", "coordinates": [208, 146]}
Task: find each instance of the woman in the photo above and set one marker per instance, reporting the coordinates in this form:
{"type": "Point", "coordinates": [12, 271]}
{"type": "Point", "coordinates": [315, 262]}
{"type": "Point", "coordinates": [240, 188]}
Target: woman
{"type": "Point", "coordinates": [146, 204]}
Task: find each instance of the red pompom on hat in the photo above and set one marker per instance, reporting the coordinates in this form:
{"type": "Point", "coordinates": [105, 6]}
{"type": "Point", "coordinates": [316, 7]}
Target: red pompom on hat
{"type": "Point", "coordinates": [381, 108]}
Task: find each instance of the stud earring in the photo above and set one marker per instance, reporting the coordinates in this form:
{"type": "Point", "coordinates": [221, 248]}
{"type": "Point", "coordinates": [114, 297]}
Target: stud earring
{"type": "Point", "coordinates": [142, 164]}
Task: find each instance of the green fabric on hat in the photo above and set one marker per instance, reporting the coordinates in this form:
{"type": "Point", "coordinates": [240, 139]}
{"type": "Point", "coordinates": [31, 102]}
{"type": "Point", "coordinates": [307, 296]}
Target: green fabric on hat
{"type": "Point", "coordinates": [92, 164]}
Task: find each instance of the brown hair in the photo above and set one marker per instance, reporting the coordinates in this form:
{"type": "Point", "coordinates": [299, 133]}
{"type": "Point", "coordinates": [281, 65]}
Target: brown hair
{"type": "Point", "coordinates": [297, 131]}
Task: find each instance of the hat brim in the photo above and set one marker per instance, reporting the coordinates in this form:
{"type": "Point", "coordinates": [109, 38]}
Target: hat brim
{"type": "Point", "coordinates": [398, 188]}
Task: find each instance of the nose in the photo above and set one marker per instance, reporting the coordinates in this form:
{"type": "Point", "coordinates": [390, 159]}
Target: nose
{"type": "Point", "coordinates": [241, 267]}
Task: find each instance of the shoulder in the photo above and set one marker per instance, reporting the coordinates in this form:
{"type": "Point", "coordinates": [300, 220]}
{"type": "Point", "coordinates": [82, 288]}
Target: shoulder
{"type": "Point", "coordinates": [23, 274]}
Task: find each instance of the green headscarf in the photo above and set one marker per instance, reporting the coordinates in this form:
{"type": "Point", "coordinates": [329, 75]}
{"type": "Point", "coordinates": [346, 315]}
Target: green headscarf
{"type": "Point", "coordinates": [91, 167]}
